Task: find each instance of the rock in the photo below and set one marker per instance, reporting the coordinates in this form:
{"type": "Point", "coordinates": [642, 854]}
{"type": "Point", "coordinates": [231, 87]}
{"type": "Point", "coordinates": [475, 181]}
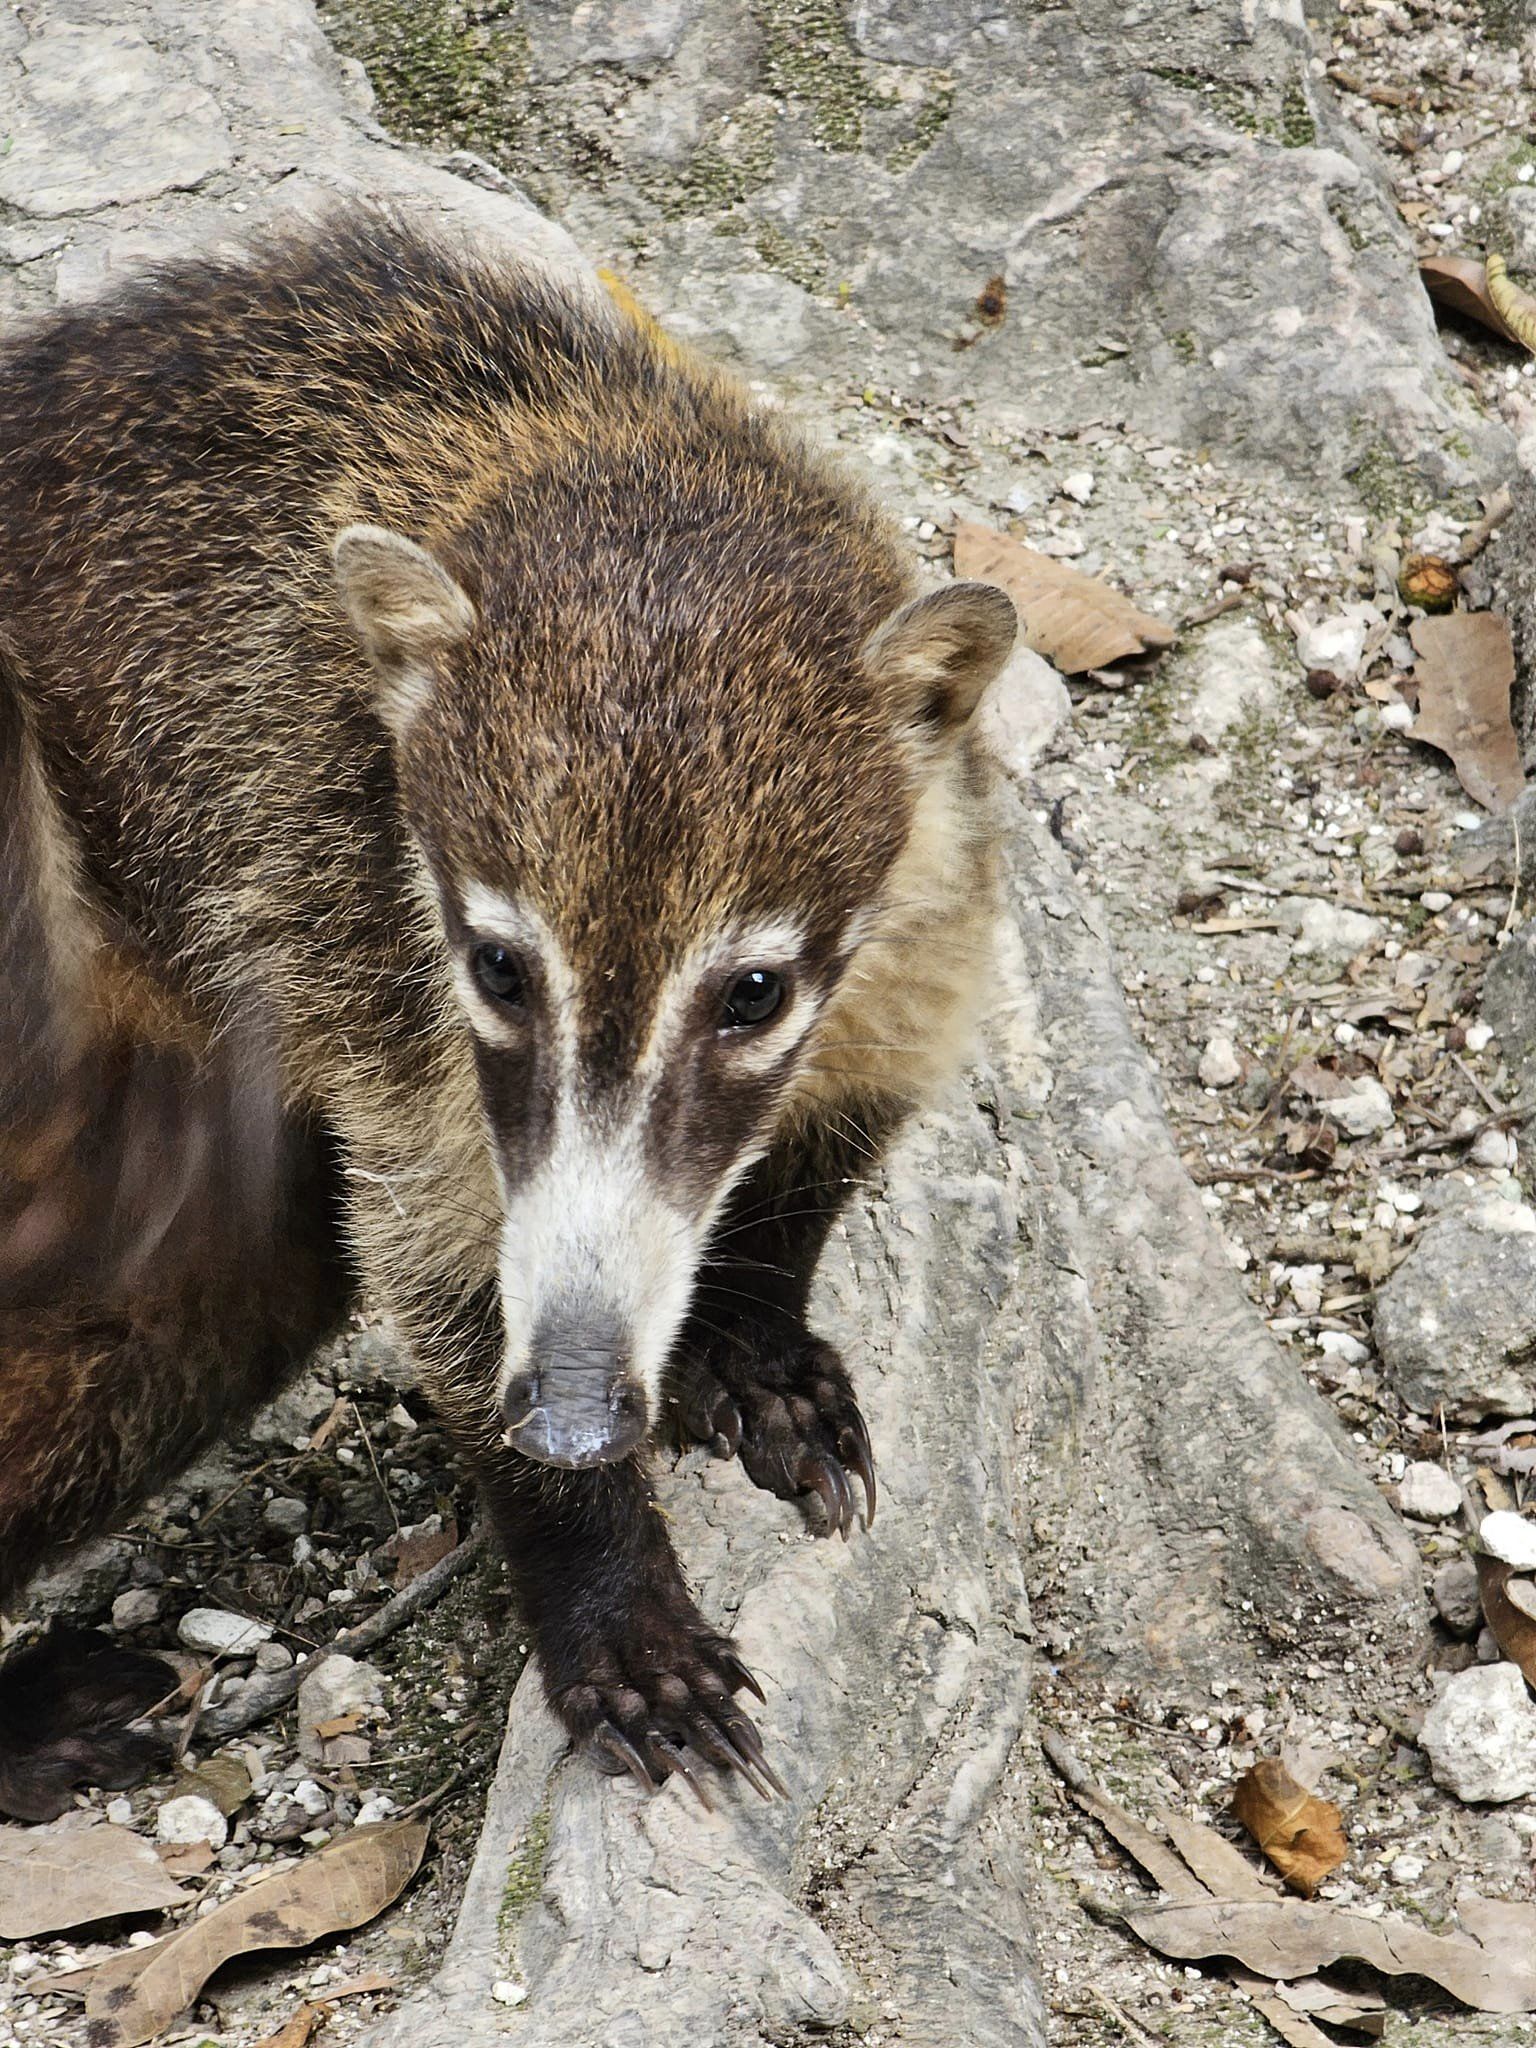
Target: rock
{"type": "Point", "coordinates": [1022, 712]}
{"type": "Point", "coordinates": [293, 1416]}
{"type": "Point", "coordinates": [1364, 1111]}
{"type": "Point", "coordinates": [221, 1634]}
{"type": "Point", "coordinates": [1336, 644]}
{"type": "Point", "coordinates": [1496, 1149]}
{"type": "Point", "coordinates": [285, 1516]}
{"type": "Point", "coordinates": [1510, 1538]}
{"type": "Point", "coordinates": [1480, 1735]}
{"type": "Point", "coordinates": [1456, 1597]}
{"type": "Point", "coordinates": [1235, 676]}
{"type": "Point", "coordinates": [374, 1809]}
{"type": "Point", "coordinates": [80, 1586]}
{"type": "Point", "coordinates": [338, 1685]}
{"type": "Point", "coordinates": [1455, 1325]}
{"type": "Point", "coordinates": [273, 1657]}
{"type": "Point", "coordinates": [1219, 1064]}
{"type": "Point", "coordinates": [313, 1798]}
{"type": "Point", "coordinates": [191, 1818]}
{"type": "Point", "coordinates": [1429, 1492]}
{"type": "Point", "coordinates": [1329, 931]}
{"type": "Point", "coordinates": [136, 1609]}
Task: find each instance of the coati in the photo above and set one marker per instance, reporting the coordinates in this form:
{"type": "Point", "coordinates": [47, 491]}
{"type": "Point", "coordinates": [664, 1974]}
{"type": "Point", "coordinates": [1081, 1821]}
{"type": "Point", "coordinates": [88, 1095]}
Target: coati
{"type": "Point", "coordinates": [546, 758]}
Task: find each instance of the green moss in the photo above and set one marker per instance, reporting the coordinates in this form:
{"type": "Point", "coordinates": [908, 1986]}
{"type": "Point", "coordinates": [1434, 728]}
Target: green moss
{"type": "Point", "coordinates": [928, 125]}
{"type": "Point", "coordinates": [1298, 130]}
{"type": "Point", "coordinates": [444, 71]}
{"type": "Point", "coordinates": [525, 1874]}
{"type": "Point", "coordinates": [809, 61]}
{"type": "Point", "coordinates": [1183, 345]}
{"type": "Point", "coordinates": [1234, 105]}
{"type": "Point", "coordinates": [803, 263]}
{"type": "Point", "coordinates": [735, 158]}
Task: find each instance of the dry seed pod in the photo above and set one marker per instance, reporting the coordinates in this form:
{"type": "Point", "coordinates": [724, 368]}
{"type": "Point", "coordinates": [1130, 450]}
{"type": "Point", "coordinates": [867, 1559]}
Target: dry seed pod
{"type": "Point", "coordinates": [1428, 581]}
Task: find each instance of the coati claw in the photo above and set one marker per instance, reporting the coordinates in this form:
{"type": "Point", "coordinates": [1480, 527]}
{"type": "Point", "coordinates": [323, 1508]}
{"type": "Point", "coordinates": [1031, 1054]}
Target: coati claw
{"type": "Point", "coordinates": [673, 1757]}
{"type": "Point", "coordinates": [733, 1667]}
{"type": "Point", "coordinates": [788, 1411]}
{"type": "Point", "coordinates": [625, 1757]}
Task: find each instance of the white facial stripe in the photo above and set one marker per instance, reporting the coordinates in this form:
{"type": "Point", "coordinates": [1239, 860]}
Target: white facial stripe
{"type": "Point", "coordinates": [517, 926]}
{"type": "Point", "coordinates": [776, 944]}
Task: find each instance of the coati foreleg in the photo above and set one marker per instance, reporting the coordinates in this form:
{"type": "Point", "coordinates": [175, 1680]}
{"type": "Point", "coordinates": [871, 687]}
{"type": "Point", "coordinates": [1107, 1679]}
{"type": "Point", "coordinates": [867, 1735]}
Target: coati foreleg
{"type": "Point", "coordinates": [629, 1664]}
{"type": "Point", "coordinates": [749, 1377]}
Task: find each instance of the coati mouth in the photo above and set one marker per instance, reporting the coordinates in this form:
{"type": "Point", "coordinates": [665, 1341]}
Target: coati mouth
{"type": "Point", "coordinates": [575, 1403]}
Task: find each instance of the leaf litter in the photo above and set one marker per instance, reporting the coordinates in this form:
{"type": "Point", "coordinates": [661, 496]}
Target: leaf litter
{"type": "Point", "coordinates": [1078, 622]}
{"type": "Point", "coordinates": [1274, 1947]}
{"type": "Point", "coordinates": [135, 1995]}
{"type": "Point", "coordinates": [58, 1877]}
{"type": "Point", "coordinates": [1300, 1834]}
{"type": "Point", "coordinates": [1465, 672]}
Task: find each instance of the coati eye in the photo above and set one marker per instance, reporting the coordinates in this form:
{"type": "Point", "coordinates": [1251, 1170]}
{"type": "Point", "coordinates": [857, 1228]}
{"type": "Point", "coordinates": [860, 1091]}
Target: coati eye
{"type": "Point", "coordinates": [752, 998]}
{"type": "Point", "coordinates": [498, 973]}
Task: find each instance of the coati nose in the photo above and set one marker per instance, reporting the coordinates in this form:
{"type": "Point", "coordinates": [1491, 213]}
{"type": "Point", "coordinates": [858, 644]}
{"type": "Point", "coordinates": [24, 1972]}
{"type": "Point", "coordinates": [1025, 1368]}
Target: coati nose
{"type": "Point", "coordinates": [575, 1402]}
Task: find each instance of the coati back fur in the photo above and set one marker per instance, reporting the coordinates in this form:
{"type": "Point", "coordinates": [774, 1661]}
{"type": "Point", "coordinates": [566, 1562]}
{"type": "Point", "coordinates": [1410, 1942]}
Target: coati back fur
{"type": "Point", "coordinates": [552, 754]}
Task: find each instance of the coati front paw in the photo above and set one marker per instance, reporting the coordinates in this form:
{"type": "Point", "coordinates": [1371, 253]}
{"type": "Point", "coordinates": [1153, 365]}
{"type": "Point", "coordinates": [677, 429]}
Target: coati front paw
{"type": "Point", "coordinates": [788, 1411]}
{"type": "Point", "coordinates": [652, 1694]}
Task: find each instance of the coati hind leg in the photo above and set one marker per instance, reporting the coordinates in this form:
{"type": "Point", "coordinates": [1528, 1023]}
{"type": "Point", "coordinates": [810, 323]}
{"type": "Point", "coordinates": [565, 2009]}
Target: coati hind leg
{"type": "Point", "coordinates": [101, 1404]}
{"type": "Point", "coordinates": [749, 1378]}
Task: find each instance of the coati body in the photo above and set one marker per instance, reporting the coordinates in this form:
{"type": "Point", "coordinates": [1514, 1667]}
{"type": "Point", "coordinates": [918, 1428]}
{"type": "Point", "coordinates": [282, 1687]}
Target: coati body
{"type": "Point", "coordinates": [552, 756]}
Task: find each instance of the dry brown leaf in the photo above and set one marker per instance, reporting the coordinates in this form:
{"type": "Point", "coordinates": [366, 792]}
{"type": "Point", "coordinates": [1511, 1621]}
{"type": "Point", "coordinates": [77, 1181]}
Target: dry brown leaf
{"type": "Point", "coordinates": [223, 1779]}
{"type": "Point", "coordinates": [296, 2031]}
{"type": "Point", "coordinates": [53, 1878]}
{"type": "Point", "coordinates": [1465, 672]}
{"type": "Point", "coordinates": [1074, 620]}
{"type": "Point", "coordinates": [135, 1996]}
{"type": "Point", "coordinates": [1514, 1630]}
{"type": "Point", "coordinates": [1461, 283]}
{"type": "Point", "coordinates": [1300, 1834]}
{"type": "Point", "coordinates": [1287, 1938]}
{"type": "Point", "coordinates": [417, 1552]}
{"type": "Point", "coordinates": [1516, 308]}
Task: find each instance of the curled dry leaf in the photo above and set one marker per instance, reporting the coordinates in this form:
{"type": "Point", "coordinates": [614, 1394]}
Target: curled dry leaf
{"type": "Point", "coordinates": [1509, 1608]}
{"type": "Point", "coordinates": [135, 1996]}
{"type": "Point", "coordinates": [1461, 283]}
{"type": "Point", "coordinates": [53, 1878]}
{"type": "Point", "coordinates": [1465, 672]}
{"type": "Point", "coordinates": [1289, 1938]}
{"type": "Point", "coordinates": [1300, 1834]}
{"type": "Point", "coordinates": [1516, 308]}
{"type": "Point", "coordinates": [1076, 621]}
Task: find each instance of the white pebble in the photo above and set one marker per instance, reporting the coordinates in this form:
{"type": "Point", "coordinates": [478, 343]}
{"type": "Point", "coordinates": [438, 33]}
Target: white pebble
{"type": "Point", "coordinates": [120, 1812]}
{"type": "Point", "coordinates": [505, 1992]}
{"type": "Point", "coordinates": [1219, 1064]}
{"type": "Point", "coordinates": [373, 1810]}
{"type": "Point", "coordinates": [1479, 1037]}
{"type": "Point", "coordinates": [1493, 1148]}
{"type": "Point", "coordinates": [1079, 485]}
{"type": "Point", "coordinates": [311, 1796]}
{"type": "Point", "coordinates": [191, 1818]}
{"type": "Point", "coordinates": [1510, 1537]}
{"type": "Point", "coordinates": [1428, 1492]}
{"type": "Point", "coordinates": [1397, 716]}
{"type": "Point", "coordinates": [1435, 900]}
{"type": "Point", "coordinates": [221, 1633]}
{"type": "Point", "coordinates": [1340, 1345]}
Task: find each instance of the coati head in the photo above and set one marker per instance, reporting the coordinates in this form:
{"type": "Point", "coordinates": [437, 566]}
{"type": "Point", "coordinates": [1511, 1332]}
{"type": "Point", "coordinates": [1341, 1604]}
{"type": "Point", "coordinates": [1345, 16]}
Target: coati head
{"type": "Point", "coordinates": [661, 759]}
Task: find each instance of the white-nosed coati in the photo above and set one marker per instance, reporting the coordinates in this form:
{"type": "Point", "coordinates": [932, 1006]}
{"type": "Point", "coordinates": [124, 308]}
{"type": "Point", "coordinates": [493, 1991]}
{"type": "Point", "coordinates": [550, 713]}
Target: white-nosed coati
{"type": "Point", "coordinates": [546, 761]}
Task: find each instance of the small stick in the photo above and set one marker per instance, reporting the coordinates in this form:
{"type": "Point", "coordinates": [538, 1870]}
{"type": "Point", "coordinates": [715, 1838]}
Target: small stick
{"type": "Point", "coordinates": [269, 1691]}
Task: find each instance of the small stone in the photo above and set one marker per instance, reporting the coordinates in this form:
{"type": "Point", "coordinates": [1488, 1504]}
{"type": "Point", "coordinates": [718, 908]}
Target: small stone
{"type": "Point", "coordinates": [1342, 1347]}
{"type": "Point", "coordinates": [273, 1657]}
{"type": "Point", "coordinates": [338, 1685]}
{"type": "Point", "coordinates": [285, 1516]}
{"type": "Point", "coordinates": [1455, 1325]}
{"type": "Point", "coordinates": [1219, 1065]}
{"type": "Point", "coordinates": [1408, 842]}
{"type": "Point", "coordinates": [136, 1609]}
{"type": "Point", "coordinates": [1456, 1598]}
{"type": "Point", "coordinates": [1336, 644]}
{"type": "Point", "coordinates": [191, 1818]}
{"type": "Point", "coordinates": [1406, 1869]}
{"type": "Point", "coordinates": [374, 1810]}
{"type": "Point", "coordinates": [313, 1798]}
{"type": "Point", "coordinates": [1436, 900]}
{"type": "Point", "coordinates": [221, 1634]}
{"type": "Point", "coordinates": [1364, 1111]}
{"type": "Point", "coordinates": [1480, 1735]}
{"type": "Point", "coordinates": [1496, 1149]}
{"type": "Point", "coordinates": [1078, 486]}
{"type": "Point", "coordinates": [120, 1812]}
{"type": "Point", "coordinates": [400, 1417]}
{"type": "Point", "coordinates": [1509, 1537]}
{"type": "Point", "coordinates": [506, 1992]}
{"type": "Point", "coordinates": [1428, 1491]}
{"type": "Point", "coordinates": [1479, 1037]}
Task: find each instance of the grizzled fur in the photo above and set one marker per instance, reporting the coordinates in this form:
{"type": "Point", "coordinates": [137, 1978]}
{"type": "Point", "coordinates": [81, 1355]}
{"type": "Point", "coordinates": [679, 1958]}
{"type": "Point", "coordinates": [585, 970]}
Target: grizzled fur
{"type": "Point", "coordinates": [651, 684]}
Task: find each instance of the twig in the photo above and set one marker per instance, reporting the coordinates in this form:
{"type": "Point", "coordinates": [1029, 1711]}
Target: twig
{"type": "Point", "coordinates": [1151, 1727]}
{"type": "Point", "coordinates": [1491, 1102]}
{"type": "Point", "coordinates": [269, 1691]}
{"type": "Point", "coordinates": [1133, 2030]}
{"type": "Point", "coordinates": [433, 1798]}
{"type": "Point", "coordinates": [362, 1430]}
{"type": "Point", "coordinates": [1477, 537]}
{"type": "Point", "coordinates": [1215, 609]}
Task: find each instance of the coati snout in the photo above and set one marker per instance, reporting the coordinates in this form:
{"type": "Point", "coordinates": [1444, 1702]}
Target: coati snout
{"type": "Point", "coordinates": [558, 748]}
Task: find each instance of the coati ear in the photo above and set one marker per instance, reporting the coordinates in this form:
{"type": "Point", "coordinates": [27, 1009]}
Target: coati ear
{"type": "Point", "coordinates": [405, 608]}
{"type": "Point", "coordinates": [939, 653]}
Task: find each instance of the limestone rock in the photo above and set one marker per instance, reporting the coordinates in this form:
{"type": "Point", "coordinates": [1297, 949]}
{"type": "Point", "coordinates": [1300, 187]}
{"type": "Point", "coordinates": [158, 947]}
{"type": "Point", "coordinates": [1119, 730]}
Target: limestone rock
{"type": "Point", "coordinates": [338, 1685]}
{"type": "Point", "coordinates": [1480, 1735]}
{"type": "Point", "coordinates": [221, 1634]}
{"type": "Point", "coordinates": [1455, 1325]}
{"type": "Point", "coordinates": [1428, 1492]}
{"type": "Point", "coordinates": [1457, 1600]}
{"type": "Point", "coordinates": [1219, 1064]}
{"type": "Point", "coordinates": [191, 1818]}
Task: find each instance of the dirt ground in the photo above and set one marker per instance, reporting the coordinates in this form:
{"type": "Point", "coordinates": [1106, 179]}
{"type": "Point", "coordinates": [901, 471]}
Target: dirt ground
{"type": "Point", "coordinates": [1280, 866]}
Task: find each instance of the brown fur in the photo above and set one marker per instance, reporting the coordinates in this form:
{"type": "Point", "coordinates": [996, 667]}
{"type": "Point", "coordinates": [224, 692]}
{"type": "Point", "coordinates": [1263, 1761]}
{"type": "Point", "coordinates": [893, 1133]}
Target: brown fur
{"type": "Point", "coordinates": [667, 713]}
